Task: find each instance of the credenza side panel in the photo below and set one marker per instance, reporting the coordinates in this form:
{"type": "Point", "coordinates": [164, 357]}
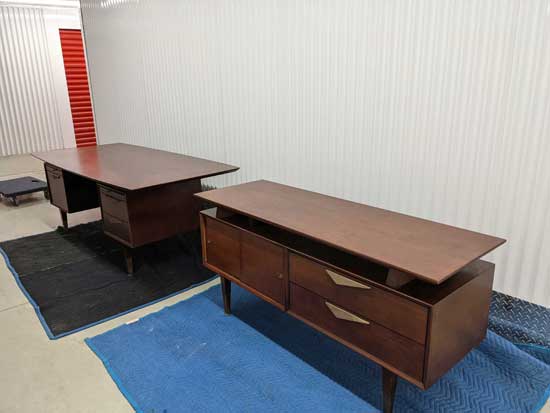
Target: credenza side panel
{"type": "Point", "coordinates": [458, 323]}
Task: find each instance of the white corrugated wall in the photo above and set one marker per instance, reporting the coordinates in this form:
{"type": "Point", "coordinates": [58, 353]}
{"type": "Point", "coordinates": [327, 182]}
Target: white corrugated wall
{"type": "Point", "coordinates": [435, 108]}
{"type": "Point", "coordinates": [29, 117]}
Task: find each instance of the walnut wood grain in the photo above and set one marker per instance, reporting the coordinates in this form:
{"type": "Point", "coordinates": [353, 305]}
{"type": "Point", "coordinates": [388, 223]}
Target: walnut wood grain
{"type": "Point", "coordinates": [263, 266]}
{"type": "Point", "coordinates": [427, 250]}
{"type": "Point", "coordinates": [415, 327]}
{"type": "Point", "coordinates": [458, 324]}
{"type": "Point", "coordinates": [390, 310]}
{"type": "Point", "coordinates": [223, 247]}
{"type": "Point", "coordinates": [132, 167]}
{"type": "Point", "coordinates": [70, 192]}
{"type": "Point", "coordinates": [114, 203]}
{"type": "Point", "coordinates": [389, 385]}
{"type": "Point", "coordinates": [226, 294]}
{"type": "Point", "coordinates": [396, 350]}
{"type": "Point", "coordinates": [56, 187]}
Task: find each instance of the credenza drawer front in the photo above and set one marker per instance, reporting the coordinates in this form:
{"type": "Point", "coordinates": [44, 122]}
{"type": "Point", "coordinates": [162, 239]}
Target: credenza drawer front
{"type": "Point", "coordinates": [388, 346]}
{"type": "Point", "coordinates": [399, 314]}
{"type": "Point", "coordinates": [113, 203]}
{"type": "Point", "coordinates": [116, 227]}
{"type": "Point", "coordinates": [223, 249]}
{"type": "Point", "coordinates": [263, 266]}
{"type": "Point", "coordinates": [56, 184]}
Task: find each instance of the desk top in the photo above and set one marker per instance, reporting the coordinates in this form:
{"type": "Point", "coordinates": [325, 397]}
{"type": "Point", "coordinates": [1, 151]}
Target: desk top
{"type": "Point", "coordinates": [132, 167]}
{"type": "Point", "coordinates": [425, 249]}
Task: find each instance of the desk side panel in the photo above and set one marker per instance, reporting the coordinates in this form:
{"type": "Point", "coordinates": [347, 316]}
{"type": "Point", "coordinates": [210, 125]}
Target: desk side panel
{"type": "Point", "coordinates": [164, 211]}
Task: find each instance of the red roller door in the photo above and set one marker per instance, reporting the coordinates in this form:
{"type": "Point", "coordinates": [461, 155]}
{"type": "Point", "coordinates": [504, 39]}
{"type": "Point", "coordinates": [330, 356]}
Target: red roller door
{"type": "Point", "coordinates": [79, 89]}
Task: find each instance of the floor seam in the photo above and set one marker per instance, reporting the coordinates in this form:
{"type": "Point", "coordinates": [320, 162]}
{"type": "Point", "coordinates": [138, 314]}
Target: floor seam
{"type": "Point", "coordinates": [12, 307]}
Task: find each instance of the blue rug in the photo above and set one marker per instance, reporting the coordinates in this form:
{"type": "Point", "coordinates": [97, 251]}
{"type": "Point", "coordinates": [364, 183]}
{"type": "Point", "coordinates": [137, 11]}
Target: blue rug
{"type": "Point", "coordinates": [191, 357]}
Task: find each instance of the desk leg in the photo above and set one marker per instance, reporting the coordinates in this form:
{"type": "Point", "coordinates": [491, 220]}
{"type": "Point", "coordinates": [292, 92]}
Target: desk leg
{"type": "Point", "coordinates": [389, 384]}
{"type": "Point", "coordinates": [226, 293]}
{"type": "Point", "coordinates": [128, 256]}
{"type": "Point", "coordinates": [64, 219]}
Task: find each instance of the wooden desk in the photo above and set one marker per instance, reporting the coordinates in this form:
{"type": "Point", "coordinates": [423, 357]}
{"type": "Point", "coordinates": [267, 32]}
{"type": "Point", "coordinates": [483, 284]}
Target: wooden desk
{"type": "Point", "coordinates": [145, 194]}
{"type": "Point", "coordinates": [410, 294]}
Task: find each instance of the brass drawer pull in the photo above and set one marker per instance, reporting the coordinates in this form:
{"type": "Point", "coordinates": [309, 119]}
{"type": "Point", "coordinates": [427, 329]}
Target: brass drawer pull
{"type": "Point", "coordinates": [342, 314]}
{"type": "Point", "coordinates": [345, 281]}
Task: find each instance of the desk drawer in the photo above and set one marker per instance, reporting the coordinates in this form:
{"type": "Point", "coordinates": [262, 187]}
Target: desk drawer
{"type": "Point", "coordinates": [263, 266]}
{"type": "Point", "coordinates": [56, 185]}
{"type": "Point", "coordinates": [223, 248]}
{"type": "Point", "coordinates": [116, 227]}
{"type": "Point", "coordinates": [392, 348]}
{"type": "Point", "coordinates": [113, 203]}
{"type": "Point", "coordinates": [390, 310]}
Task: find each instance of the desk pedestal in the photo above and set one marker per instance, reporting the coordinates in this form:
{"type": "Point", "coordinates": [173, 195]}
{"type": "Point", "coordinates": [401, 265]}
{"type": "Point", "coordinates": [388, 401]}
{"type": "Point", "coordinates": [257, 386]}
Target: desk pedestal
{"type": "Point", "coordinates": [133, 218]}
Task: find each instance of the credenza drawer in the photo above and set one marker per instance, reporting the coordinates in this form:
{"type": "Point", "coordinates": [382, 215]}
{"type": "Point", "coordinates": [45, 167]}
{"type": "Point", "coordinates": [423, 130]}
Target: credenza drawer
{"type": "Point", "coordinates": [113, 203]}
{"type": "Point", "coordinates": [392, 348]}
{"type": "Point", "coordinates": [116, 227]}
{"type": "Point", "coordinates": [223, 247]}
{"type": "Point", "coordinates": [263, 266]}
{"type": "Point", "coordinates": [390, 310]}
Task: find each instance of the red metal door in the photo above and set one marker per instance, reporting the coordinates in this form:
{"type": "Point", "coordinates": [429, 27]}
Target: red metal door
{"type": "Point", "coordinates": [78, 86]}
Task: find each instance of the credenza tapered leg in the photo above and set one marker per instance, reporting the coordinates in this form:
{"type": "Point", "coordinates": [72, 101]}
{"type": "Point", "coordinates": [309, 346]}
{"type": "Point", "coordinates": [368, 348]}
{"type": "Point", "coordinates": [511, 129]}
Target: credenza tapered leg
{"type": "Point", "coordinates": [226, 293]}
{"type": "Point", "coordinates": [389, 384]}
{"type": "Point", "coordinates": [129, 258]}
{"type": "Point", "coordinates": [64, 220]}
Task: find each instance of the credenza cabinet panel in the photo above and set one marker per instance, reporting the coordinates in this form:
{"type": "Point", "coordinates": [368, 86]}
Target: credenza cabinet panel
{"type": "Point", "coordinates": [397, 351]}
{"type": "Point", "coordinates": [263, 266]}
{"type": "Point", "coordinates": [223, 247]}
{"type": "Point", "coordinates": [390, 310]}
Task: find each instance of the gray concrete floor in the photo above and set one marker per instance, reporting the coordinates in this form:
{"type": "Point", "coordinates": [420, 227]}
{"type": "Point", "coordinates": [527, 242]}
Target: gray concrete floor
{"type": "Point", "coordinates": [39, 375]}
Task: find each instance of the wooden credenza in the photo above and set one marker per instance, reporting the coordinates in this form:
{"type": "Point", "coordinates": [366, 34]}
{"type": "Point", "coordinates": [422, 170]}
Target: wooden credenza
{"type": "Point", "coordinates": [345, 269]}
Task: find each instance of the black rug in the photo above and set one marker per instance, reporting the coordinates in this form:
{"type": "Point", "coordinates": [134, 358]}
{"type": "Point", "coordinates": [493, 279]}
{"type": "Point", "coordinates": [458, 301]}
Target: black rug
{"type": "Point", "coordinates": [77, 278]}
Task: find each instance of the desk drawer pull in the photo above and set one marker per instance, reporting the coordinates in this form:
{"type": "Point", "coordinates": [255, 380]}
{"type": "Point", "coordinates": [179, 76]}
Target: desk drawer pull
{"type": "Point", "coordinates": [345, 281]}
{"type": "Point", "coordinates": [112, 197]}
{"type": "Point", "coordinates": [342, 314]}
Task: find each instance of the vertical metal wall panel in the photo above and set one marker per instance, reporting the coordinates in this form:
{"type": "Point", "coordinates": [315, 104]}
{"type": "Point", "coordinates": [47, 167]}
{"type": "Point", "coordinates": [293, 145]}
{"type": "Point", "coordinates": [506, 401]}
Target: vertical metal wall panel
{"type": "Point", "coordinates": [435, 108]}
{"type": "Point", "coordinates": [29, 118]}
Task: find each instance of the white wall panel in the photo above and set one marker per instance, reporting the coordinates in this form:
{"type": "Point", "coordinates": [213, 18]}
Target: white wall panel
{"type": "Point", "coordinates": [436, 108]}
{"type": "Point", "coordinates": [29, 116]}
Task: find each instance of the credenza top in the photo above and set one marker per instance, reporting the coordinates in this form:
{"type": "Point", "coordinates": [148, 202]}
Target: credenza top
{"type": "Point", "coordinates": [132, 167]}
{"type": "Point", "coordinates": [425, 249]}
